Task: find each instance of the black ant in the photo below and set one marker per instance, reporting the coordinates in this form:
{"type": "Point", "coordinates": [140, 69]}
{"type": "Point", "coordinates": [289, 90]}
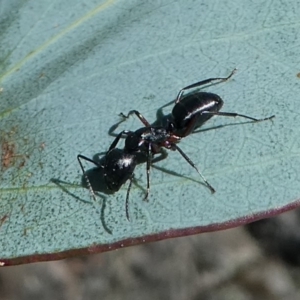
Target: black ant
{"type": "Point", "coordinates": [188, 113]}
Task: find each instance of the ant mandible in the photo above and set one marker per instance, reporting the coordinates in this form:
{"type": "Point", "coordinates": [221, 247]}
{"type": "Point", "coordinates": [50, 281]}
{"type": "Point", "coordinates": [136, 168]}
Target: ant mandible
{"type": "Point", "coordinates": [189, 113]}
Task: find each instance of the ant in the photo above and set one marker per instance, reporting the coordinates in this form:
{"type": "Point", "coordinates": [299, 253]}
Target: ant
{"type": "Point", "coordinates": [189, 113]}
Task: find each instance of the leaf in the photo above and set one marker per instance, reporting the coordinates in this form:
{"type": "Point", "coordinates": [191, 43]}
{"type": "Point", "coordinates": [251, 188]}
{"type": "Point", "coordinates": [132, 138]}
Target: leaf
{"type": "Point", "coordinates": [68, 68]}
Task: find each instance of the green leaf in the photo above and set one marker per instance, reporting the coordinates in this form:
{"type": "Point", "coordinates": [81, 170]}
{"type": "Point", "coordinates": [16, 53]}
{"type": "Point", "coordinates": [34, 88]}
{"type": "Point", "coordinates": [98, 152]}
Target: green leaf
{"type": "Point", "coordinates": [68, 68]}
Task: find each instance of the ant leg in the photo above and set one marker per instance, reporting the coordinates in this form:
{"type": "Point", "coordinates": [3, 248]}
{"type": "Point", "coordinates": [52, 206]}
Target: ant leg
{"type": "Point", "coordinates": [79, 157]}
{"type": "Point", "coordinates": [203, 82]}
{"type": "Point", "coordinates": [229, 114]}
{"type": "Point", "coordinates": [116, 140]}
{"type": "Point", "coordinates": [113, 128]}
{"type": "Point", "coordinates": [163, 155]}
{"type": "Point", "coordinates": [194, 166]}
{"type": "Point", "coordinates": [127, 197]}
{"type": "Point", "coordinates": [149, 158]}
{"type": "Point", "coordinates": [138, 114]}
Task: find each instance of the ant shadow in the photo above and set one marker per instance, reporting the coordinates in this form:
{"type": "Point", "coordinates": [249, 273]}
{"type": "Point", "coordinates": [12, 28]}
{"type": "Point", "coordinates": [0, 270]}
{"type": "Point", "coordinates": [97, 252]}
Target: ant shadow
{"type": "Point", "coordinates": [97, 182]}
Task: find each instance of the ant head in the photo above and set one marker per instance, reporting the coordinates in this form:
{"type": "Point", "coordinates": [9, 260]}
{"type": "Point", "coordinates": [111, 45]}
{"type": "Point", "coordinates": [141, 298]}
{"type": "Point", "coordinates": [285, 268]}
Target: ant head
{"type": "Point", "coordinates": [118, 168]}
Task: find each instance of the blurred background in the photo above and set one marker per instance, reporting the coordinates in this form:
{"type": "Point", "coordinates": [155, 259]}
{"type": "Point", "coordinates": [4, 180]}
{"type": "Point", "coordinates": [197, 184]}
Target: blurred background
{"type": "Point", "coordinates": [259, 261]}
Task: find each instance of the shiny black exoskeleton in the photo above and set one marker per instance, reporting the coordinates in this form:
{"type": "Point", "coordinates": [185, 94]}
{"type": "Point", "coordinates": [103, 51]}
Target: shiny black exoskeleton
{"type": "Point", "coordinates": [189, 113]}
{"type": "Point", "coordinates": [119, 164]}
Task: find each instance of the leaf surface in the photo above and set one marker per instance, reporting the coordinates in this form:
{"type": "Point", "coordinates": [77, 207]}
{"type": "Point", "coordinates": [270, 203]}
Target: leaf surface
{"type": "Point", "coordinates": [68, 68]}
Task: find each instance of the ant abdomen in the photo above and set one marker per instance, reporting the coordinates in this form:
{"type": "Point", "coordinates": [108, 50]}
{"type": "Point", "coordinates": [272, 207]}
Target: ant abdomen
{"type": "Point", "coordinates": [192, 110]}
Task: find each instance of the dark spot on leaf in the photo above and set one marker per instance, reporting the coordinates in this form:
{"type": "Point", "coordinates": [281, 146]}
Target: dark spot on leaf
{"type": "Point", "coordinates": [3, 219]}
{"type": "Point", "coordinates": [8, 152]}
{"type": "Point", "coordinates": [9, 155]}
